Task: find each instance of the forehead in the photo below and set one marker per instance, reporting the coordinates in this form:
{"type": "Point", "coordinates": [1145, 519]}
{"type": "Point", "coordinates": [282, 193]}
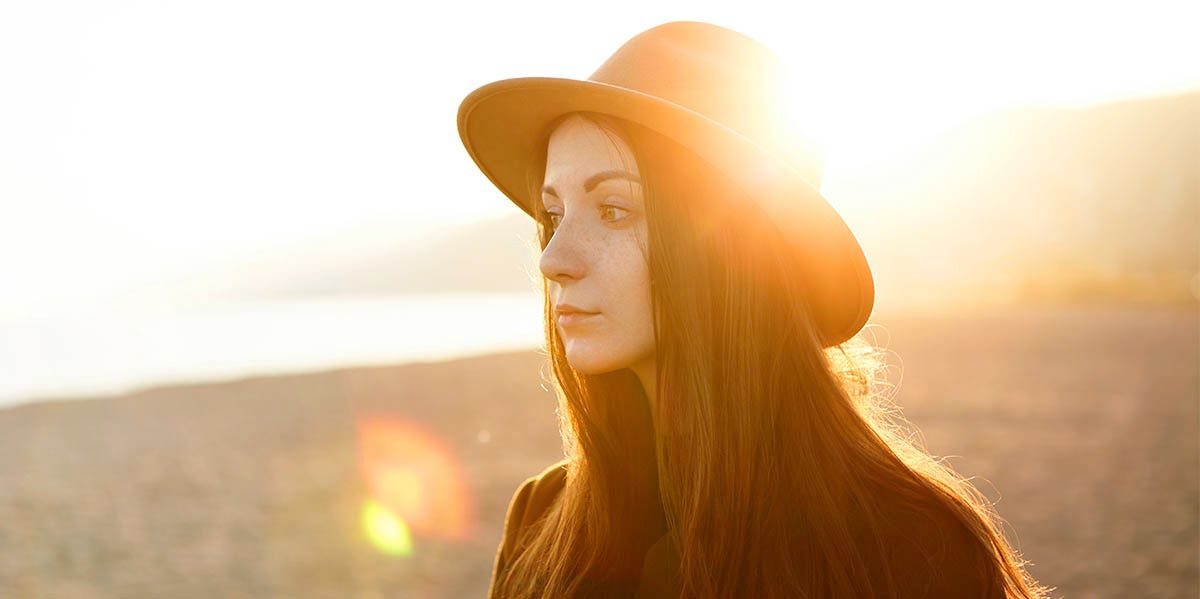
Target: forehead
{"type": "Point", "coordinates": [579, 147]}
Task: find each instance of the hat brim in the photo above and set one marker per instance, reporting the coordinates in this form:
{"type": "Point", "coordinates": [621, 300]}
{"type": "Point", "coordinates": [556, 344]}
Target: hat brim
{"type": "Point", "coordinates": [502, 124]}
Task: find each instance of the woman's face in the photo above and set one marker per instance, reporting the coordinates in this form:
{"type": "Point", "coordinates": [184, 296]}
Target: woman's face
{"type": "Point", "coordinates": [596, 258]}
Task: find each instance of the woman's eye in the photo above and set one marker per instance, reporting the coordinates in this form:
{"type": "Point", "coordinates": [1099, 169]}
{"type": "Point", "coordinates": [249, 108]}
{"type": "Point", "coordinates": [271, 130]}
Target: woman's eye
{"type": "Point", "coordinates": [608, 207]}
{"type": "Point", "coordinates": [549, 217]}
{"type": "Point", "coordinates": [607, 213]}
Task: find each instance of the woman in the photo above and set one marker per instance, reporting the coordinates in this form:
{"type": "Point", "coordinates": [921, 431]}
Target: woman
{"type": "Point", "coordinates": [700, 299]}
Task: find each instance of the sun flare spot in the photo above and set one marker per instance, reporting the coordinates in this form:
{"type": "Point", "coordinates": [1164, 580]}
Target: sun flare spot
{"type": "Point", "coordinates": [416, 487]}
{"type": "Point", "coordinates": [386, 532]}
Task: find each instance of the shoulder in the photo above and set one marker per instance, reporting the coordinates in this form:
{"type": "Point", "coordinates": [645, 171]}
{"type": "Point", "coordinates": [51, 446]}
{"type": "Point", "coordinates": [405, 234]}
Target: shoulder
{"type": "Point", "coordinates": [531, 500]}
{"type": "Point", "coordinates": [535, 495]}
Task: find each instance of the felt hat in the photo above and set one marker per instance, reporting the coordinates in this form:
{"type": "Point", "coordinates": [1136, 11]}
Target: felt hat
{"type": "Point", "coordinates": [720, 94]}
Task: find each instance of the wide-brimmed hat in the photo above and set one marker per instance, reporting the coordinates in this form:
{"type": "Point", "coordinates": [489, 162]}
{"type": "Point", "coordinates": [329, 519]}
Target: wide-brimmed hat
{"type": "Point", "coordinates": [718, 93]}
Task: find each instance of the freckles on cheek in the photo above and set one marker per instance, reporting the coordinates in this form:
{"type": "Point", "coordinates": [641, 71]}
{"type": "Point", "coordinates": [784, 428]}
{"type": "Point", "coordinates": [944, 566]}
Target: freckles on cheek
{"type": "Point", "coordinates": [634, 276]}
{"type": "Point", "coordinates": [627, 259]}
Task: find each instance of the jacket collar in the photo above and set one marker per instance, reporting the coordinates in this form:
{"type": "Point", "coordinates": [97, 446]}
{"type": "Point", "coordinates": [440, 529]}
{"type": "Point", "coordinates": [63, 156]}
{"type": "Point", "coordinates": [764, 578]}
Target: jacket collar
{"type": "Point", "coordinates": [660, 570]}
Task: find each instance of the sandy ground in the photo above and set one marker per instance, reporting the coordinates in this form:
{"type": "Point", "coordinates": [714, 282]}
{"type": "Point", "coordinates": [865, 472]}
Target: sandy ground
{"type": "Point", "coordinates": [1082, 423]}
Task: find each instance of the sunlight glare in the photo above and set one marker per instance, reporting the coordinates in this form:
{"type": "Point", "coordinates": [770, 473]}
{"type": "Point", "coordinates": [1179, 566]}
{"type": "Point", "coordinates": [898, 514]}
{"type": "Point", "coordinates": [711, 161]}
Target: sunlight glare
{"type": "Point", "coordinates": [413, 475]}
{"type": "Point", "coordinates": [386, 532]}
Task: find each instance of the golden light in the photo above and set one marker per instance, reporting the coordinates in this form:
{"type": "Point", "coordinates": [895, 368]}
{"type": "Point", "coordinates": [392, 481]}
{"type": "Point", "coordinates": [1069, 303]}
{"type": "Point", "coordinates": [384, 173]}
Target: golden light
{"type": "Point", "coordinates": [859, 123]}
{"type": "Point", "coordinates": [869, 123]}
{"type": "Point", "coordinates": [385, 530]}
{"type": "Point", "coordinates": [416, 486]}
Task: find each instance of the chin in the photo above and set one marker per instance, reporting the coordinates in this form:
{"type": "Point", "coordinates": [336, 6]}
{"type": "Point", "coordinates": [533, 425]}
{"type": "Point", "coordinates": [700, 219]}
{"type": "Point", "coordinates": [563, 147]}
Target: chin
{"type": "Point", "coordinates": [592, 363]}
{"type": "Point", "coordinates": [593, 368]}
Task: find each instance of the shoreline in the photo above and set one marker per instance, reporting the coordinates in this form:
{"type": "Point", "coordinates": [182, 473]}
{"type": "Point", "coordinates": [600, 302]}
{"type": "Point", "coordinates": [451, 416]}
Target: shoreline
{"type": "Point", "coordinates": [879, 318]}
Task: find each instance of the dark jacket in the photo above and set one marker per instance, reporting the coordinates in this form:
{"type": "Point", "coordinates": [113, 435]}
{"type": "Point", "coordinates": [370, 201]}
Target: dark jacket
{"type": "Point", "coordinates": [934, 572]}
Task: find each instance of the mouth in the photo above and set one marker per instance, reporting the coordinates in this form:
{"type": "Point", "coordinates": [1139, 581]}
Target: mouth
{"type": "Point", "coordinates": [566, 319]}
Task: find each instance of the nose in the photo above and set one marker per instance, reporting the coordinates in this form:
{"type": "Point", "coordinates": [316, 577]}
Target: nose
{"type": "Point", "coordinates": [564, 256]}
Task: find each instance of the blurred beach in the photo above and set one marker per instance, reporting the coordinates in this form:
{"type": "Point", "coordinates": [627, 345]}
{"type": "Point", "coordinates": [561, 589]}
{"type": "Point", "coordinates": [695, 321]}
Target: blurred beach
{"type": "Point", "coordinates": [1080, 422]}
{"type": "Point", "coordinates": [268, 331]}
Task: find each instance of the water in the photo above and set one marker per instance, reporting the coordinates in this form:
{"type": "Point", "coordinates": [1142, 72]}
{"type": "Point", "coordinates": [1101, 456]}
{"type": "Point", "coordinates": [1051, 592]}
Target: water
{"type": "Point", "coordinates": [116, 349]}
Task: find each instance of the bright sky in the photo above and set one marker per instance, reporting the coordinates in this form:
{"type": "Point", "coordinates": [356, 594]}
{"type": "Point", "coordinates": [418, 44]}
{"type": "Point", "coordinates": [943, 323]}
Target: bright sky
{"type": "Point", "coordinates": [141, 139]}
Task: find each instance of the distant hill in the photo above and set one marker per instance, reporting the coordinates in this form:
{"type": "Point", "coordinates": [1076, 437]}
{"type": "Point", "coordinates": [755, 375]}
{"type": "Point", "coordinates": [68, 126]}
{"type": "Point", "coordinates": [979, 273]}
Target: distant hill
{"type": "Point", "coordinates": [494, 255]}
{"type": "Point", "coordinates": [1098, 203]}
{"type": "Point", "coordinates": [1045, 204]}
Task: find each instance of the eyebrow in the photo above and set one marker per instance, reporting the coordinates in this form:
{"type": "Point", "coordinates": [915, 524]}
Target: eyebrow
{"type": "Point", "coordinates": [595, 180]}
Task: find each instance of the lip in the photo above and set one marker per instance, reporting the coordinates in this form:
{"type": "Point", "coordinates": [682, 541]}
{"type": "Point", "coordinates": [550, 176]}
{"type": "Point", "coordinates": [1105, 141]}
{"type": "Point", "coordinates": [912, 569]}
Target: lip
{"type": "Point", "coordinates": [567, 319]}
{"type": "Point", "coordinates": [565, 308]}
{"type": "Point", "coordinates": [569, 314]}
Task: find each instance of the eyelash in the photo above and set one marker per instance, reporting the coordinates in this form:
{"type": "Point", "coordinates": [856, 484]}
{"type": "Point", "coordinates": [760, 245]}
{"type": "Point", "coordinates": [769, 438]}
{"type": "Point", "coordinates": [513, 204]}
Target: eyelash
{"type": "Point", "coordinates": [546, 215]}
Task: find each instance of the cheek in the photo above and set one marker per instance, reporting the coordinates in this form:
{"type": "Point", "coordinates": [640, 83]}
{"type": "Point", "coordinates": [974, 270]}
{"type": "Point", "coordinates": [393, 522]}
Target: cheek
{"type": "Point", "coordinates": [645, 305]}
{"type": "Point", "coordinates": [626, 280]}
{"type": "Point", "coordinates": [634, 287]}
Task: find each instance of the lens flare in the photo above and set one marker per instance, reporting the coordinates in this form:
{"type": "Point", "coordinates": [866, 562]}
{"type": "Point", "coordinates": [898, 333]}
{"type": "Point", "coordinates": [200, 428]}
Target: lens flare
{"type": "Point", "coordinates": [386, 532]}
{"type": "Point", "coordinates": [415, 484]}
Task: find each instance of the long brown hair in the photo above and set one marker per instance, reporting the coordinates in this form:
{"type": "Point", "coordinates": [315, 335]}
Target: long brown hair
{"type": "Point", "coordinates": [780, 463]}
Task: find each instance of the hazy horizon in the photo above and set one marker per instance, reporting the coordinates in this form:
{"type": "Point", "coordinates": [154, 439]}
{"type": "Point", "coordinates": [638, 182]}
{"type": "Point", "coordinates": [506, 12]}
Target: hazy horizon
{"type": "Point", "coordinates": [146, 142]}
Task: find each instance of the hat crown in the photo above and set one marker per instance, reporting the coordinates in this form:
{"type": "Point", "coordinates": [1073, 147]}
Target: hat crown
{"type": "Point", "coordinates": [721, 74]}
